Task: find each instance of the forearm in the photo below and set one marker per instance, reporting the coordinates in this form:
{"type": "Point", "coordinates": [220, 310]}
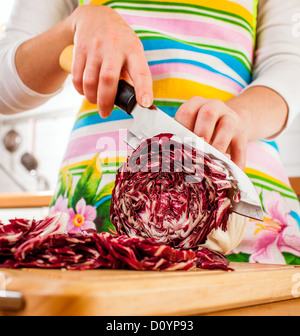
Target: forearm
{"type": "Point", "coordinates": [272, 100]}
{"type": "Point", "coordinates": [23, 25]}
{"type": "Point", "coordinates": [105, 46]}
{"type": "Point", "coordinates": [37, 60]}
{"type": "Point", "coordinates": [263, 110]}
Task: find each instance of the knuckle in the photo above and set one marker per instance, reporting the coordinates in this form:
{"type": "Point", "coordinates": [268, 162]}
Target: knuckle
{"type": "Point", "coordinates": [90, 82]}
{"type": "Point", "coordinates": [208, 111]}
{"type": "Point", "coordinates": [77, 81]}
{"type": "Point", "coordinates": [213, 105]}
{"type": "Point", "coordinates": [109, 76]}
{"type": "Point", "coordinates": [184, 111]}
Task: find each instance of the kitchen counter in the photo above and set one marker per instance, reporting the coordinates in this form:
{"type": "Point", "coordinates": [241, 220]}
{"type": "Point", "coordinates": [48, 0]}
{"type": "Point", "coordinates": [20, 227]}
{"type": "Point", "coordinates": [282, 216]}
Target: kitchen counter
{"type": "Point", "coordinates": [250, 289]}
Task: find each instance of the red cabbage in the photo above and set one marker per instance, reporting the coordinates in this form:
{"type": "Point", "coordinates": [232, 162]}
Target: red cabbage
{"type": "Point", "coordinates": [171, 193]}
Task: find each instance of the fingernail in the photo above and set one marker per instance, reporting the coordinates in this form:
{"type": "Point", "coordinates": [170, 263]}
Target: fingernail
{"type": "Point", "coordinates": [103, 115]}
{"type": "Point", "coordinates": [146, 101]}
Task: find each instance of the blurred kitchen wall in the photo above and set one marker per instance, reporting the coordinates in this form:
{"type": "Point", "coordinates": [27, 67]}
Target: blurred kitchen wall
{"type": "Point", "coordinates": [43, 133]}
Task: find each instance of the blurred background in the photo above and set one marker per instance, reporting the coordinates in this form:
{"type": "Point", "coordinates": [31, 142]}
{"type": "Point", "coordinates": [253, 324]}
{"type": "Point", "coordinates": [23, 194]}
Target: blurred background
{"type": "Point", "coordinates": [32, 144]}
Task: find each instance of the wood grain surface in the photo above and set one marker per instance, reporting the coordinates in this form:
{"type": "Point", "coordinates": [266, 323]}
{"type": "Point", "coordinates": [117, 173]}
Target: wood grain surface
{"type": "Point", "coordinates": [148, 293]}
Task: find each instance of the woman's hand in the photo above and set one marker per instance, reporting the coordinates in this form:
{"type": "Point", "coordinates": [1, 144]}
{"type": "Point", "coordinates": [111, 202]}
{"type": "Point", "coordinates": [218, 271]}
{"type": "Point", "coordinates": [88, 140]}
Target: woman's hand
{"type": "Point", "coordinates": [218, 124]}
{"type": "Point", "coordinates": [106, 48]}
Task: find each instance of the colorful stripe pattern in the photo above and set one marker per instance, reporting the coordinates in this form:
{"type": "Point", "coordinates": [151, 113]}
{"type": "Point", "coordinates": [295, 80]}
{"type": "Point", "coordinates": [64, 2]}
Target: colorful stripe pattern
{"type": "Point", "coordinates": [265, 170]}
{"type": "Point", "coordinates": [192, 47]}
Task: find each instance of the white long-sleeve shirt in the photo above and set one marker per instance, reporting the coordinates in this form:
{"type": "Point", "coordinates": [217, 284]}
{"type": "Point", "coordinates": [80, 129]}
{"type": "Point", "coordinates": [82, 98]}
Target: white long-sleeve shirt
{"type": "Point", "coordinates": [277, 61]}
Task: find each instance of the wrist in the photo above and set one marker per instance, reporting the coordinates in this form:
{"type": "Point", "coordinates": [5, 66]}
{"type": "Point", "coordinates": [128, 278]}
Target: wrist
{"type": "Point", "coordinates": [67, 28]}
{"type": "Point", "coordinates": [264, 111]}
{"type": "Point", "coordinates": [239, 106]}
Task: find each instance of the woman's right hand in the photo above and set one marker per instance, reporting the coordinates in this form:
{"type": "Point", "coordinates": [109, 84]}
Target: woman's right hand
{"type": "Point", "coordinates": [106, 48]}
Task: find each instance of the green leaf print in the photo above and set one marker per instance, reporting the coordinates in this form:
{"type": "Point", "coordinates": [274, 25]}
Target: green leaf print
{"type": "Point", "coordinates": [239, 257]}
{"type": "Point", "coordinates": [104, 192]}
{"type": "Point", "coordinates": [103, 222]}
{"type": "Point", "coordinates": [70, 191]}
{"type": "Point", "coordinates": [291, 259]}
{"type": "Point", "coordinates": [89, 182]}
{"type": "Point", "coordinates": [63, 185]}
{"type": "Point", "coordinates": [262, 201]}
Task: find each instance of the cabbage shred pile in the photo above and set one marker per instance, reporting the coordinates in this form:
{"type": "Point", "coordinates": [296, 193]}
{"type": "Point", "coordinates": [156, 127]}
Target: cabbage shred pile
{"type": "Point", "coordinates": [43, 244]}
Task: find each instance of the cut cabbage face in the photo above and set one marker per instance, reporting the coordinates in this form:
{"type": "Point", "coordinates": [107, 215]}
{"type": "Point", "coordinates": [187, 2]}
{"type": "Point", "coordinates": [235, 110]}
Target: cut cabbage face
{"type": "Point", "coordinates": [172, 193]}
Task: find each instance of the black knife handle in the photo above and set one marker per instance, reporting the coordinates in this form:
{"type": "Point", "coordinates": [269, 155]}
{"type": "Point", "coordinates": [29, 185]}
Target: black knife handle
{"type": "Point", "coordinates": [125, 98]}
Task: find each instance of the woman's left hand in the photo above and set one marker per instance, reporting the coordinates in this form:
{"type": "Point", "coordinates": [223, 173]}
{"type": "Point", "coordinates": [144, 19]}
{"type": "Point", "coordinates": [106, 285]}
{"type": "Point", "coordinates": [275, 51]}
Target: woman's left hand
{"type": "Point", "coordinates": [218, 124]}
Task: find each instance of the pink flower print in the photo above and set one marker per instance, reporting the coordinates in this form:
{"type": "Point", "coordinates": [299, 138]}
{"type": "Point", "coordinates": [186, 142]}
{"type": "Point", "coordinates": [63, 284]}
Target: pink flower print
{"type": "Point", "coordinates": [83, 218]}
{"type": "Point", "coordinates": [61, 205]}
{"type": "Point", "coordinates": [279, 232]}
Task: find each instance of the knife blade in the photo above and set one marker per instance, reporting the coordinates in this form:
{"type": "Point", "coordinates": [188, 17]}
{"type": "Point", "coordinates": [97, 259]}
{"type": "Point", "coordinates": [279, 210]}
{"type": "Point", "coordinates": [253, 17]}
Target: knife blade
{"type": "Point", "coordinates": [150, 122]}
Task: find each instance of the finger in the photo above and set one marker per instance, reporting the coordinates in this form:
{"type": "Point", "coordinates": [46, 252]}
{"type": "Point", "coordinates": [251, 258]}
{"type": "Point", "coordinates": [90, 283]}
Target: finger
{"type": "Point", "coordinates": [91, 79]}
{"type": "Point", "coordinates": [223, 135]}
{"type": "Point", "coordinates": [108, 84]}
{"type": "Point", "coordinates": [187, 113]}
{"type": "Point", "coordinates": [78, 66]}
{"type": "Point", "coordinates": [206, 121]}
{"type": "Point", "coordinates": [125, 75]}
{"type": "Point", "coordinates": [238, 151]}
{"type": "Point", "coordinates": [140, 74]}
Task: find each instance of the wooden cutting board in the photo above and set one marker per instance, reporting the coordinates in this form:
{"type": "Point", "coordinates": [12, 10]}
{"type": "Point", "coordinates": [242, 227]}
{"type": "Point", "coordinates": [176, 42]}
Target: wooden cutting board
{"type": "Point", "coordinates": [119, 292]}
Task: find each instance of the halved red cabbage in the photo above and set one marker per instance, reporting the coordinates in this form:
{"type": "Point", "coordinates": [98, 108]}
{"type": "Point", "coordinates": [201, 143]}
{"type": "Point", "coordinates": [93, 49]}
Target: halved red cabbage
{"type": "Point", "coordinates": [43, 244]}
{"type": "Point", "coordinates": [171, 193]}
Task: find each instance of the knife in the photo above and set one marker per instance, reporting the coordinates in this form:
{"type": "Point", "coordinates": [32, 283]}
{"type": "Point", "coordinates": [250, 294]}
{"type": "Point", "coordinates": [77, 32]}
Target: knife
{"type": "Point", "coordinates": [11, 300]}
{"type": "Point", "coordinates": [150, 122]}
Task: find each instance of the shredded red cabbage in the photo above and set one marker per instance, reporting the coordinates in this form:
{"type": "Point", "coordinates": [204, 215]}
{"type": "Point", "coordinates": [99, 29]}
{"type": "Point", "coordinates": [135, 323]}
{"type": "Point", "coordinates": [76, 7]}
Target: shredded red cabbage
{"type": "Point", "coordinates": [31, 243]}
